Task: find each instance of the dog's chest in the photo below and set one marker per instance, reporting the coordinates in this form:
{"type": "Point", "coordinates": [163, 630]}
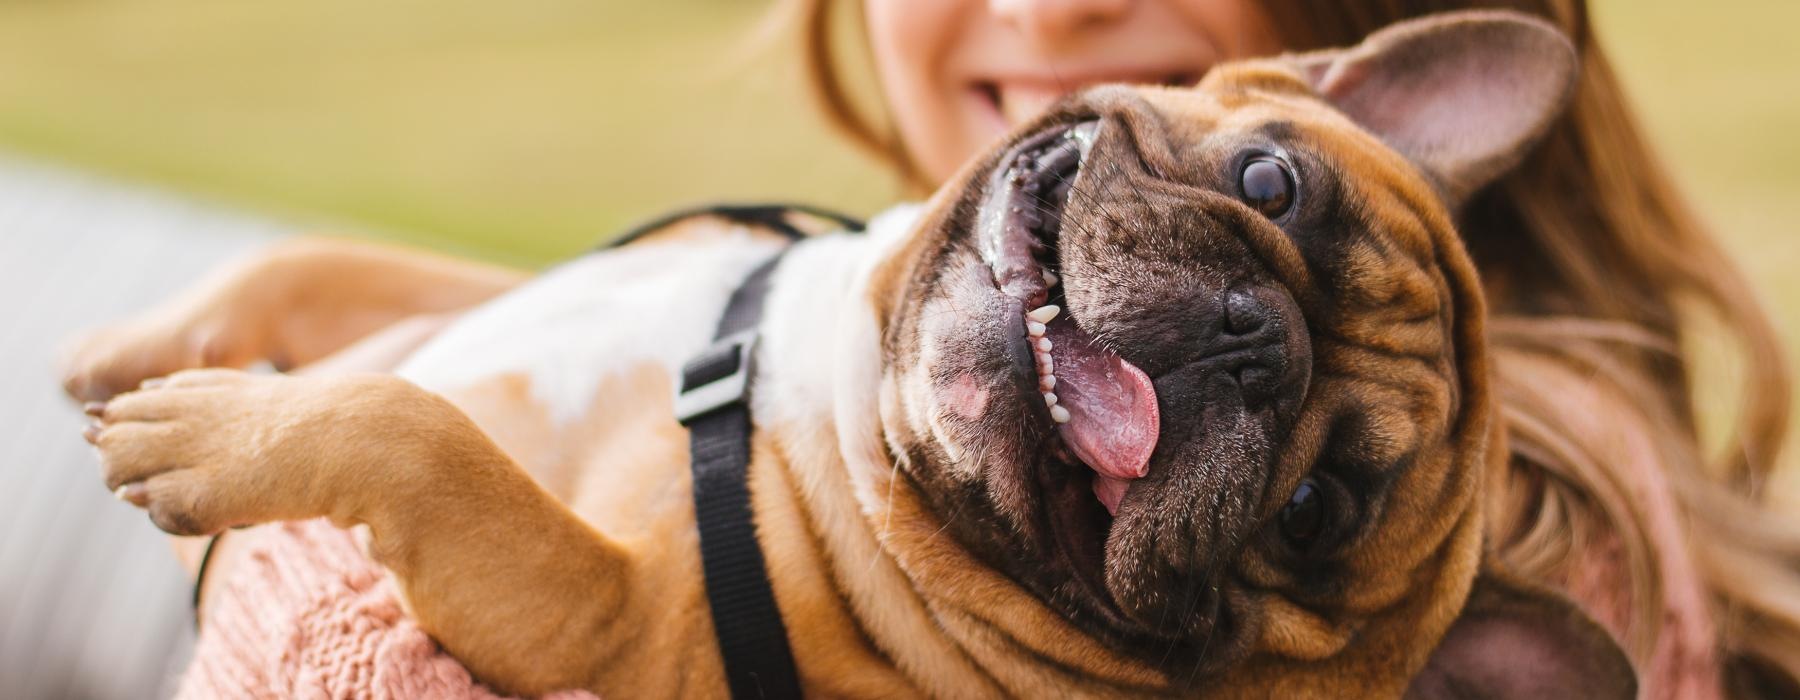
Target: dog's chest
{"type": "Point", "coordinates": [573, 374]}
{"type": "Point", "coordinates": [566, 332]}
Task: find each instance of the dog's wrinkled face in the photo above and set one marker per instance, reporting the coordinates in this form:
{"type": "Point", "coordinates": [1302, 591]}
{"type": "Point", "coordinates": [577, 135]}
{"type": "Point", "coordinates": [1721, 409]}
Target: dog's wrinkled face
{"type": "Point", "coordinates": [1202, 368]}
{"type": "Point", "coordinates": [1247, 365]}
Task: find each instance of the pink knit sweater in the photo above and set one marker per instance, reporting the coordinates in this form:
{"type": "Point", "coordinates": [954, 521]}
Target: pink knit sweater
{"type": "Point", "coordinates": [306, 615]}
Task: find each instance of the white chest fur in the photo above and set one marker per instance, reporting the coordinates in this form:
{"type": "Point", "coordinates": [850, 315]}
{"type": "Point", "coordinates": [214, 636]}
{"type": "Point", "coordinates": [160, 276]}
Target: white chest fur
{"type": "Point", "coordinates": [660, 302]}
{"type": "Point", "coordinates": [572, 326]}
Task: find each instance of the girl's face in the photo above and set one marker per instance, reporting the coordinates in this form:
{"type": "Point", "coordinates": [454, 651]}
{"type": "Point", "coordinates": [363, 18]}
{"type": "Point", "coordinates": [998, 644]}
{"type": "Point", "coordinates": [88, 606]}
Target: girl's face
{"type": "Point", "coordinates": [959, 73]}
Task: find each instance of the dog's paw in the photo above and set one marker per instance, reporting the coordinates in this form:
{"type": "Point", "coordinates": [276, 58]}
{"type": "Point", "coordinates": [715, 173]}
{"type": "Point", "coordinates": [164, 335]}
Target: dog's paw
{"type": "Point", "coordinates": [207, 449]}
{"type": "Point", "coordinates": [115, 359]}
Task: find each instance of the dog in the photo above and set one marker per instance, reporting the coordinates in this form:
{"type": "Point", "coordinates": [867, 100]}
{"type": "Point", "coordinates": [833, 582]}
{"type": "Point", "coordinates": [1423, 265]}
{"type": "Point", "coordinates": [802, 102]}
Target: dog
{"type": "Point", "coordinates": [1174, 391]}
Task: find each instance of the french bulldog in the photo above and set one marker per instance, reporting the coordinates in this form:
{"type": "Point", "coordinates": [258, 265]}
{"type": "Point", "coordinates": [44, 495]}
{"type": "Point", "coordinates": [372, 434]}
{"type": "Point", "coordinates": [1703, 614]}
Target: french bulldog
{"type": "Point", "coordinates": [1175, 391]}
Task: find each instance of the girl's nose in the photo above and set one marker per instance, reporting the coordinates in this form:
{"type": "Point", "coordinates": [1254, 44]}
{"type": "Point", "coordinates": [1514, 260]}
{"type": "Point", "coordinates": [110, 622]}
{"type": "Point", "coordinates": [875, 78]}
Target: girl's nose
{"type": "Point", "coordinates": [1052, 22]}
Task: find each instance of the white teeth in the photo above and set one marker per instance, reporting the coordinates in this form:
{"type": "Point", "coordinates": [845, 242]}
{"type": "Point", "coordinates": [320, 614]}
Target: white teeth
{"type": "Point", "coordinates": [1047, 375]}
{"type": "Point", "coordinates": [1044, 314]}
{"type": "Point", "coordinates": [1050, 278]}
{"type": "Point", "coordinates": [1034, 328]}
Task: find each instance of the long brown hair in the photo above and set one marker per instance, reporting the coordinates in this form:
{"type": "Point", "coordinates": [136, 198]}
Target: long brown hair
{"type": "Point", "coordinates": [1597, 270]}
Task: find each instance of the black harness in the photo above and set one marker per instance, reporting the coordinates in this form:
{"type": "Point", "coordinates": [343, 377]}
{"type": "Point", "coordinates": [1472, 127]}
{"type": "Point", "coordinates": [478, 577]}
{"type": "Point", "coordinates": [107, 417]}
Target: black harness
{"type": "Point", "coordinates": [714, 404]}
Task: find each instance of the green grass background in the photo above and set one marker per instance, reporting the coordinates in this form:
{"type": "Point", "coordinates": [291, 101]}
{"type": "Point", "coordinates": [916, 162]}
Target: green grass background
{"type": "Point", "coordinates": [527, 131]}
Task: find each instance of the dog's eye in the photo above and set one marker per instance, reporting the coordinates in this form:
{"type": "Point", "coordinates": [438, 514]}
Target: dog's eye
{"type": "Point", "coordinates": [1303, 518]}
{"type": "Point", "coordinates": [1267, 185]}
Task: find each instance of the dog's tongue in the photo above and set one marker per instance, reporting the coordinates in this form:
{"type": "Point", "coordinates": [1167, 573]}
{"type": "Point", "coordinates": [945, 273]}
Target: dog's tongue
{"type": "Point", "coordinates": [1113, 420]}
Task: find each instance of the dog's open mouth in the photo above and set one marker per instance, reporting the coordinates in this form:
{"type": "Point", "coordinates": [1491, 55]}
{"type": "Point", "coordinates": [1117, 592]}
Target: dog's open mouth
{"type": "Point", "coordinates": [1103, 407]}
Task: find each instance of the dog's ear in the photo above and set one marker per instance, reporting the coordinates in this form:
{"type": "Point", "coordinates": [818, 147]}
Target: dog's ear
{"type": "Point", "coordinates": [1462, 94]}
{"type": "Point", "coordinates": [1514, 640]}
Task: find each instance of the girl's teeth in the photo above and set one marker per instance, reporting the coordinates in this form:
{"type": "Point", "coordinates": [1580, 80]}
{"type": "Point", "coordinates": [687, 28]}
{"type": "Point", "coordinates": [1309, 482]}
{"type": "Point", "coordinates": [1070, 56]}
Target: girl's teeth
{"type": "Point", "coordinates": [1059, 414]}
{"type": "Point", "coordinates": [1034, 328]}
{"type": "Point", "coordinates": [1044, 314]}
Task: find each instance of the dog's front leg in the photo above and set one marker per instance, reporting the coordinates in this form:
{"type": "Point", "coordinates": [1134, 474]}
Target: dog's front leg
{"type": "Point", "coordinates": [291, 304]}
{"type": "Point", "coordinates": [500, 573]}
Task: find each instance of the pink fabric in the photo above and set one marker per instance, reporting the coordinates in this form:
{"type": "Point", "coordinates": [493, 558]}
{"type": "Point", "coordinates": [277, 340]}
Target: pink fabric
{"type": "Point", "coordinates": [305, 615]}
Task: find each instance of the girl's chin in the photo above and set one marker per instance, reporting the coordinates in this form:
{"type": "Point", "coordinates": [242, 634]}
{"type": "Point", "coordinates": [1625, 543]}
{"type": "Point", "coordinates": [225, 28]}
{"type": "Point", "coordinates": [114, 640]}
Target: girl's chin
{"type": "Point", "coordinates": [1004, 106]}
{"type": "Point", "coordinates": [982, 100]}
{"type": "Point", "coordinates": [1020, 103]}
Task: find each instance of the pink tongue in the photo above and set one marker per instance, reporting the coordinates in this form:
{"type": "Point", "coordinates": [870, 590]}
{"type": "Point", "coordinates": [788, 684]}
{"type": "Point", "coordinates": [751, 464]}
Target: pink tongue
{"type": "Point", "coordinates": [1113, 420]}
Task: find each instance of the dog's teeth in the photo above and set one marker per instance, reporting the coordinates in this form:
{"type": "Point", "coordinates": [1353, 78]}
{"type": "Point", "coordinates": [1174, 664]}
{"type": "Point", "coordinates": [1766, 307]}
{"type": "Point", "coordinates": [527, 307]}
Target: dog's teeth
{"type": "Point", "coordinates": [1043, 344]}
{"type": "Point", "coordinates": [1049, 399]}
{"type": "Point", "coordinates": [1047, 383]}
{"type": "Point", "coordinates": [1034, 328]}
{"type": "Point", "coordinates": [1059, 414]}
{"type": "Point", "coordinates": [1044, 314]}
{"type": "Point", "coordinates": [1045, 364]}
{"type": "Point", "coordinates": [1050, 278]}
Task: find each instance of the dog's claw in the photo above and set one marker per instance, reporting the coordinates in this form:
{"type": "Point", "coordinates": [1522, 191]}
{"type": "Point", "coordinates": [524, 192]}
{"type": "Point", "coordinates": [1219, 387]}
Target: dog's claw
{"type": "Point", "coordinates": [133, 493]}
{"type": "Point", "coordinates": [91, 433]}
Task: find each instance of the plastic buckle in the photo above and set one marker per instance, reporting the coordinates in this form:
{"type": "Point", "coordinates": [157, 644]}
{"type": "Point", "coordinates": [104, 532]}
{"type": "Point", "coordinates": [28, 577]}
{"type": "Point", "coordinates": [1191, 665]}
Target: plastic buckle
{"type": "Point", "coordinates": [704, 389]}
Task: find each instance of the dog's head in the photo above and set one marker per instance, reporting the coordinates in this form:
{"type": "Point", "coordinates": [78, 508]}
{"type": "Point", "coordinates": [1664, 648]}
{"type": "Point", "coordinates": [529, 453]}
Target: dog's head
{"type": "Point", "coordinates": [1203, 369]}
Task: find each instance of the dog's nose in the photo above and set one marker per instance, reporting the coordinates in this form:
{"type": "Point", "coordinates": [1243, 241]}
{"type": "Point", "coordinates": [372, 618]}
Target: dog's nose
{"type": "Point", "coordinates": [1244, 314]}
{"type": "Point", "coordinates": [1253, 343]}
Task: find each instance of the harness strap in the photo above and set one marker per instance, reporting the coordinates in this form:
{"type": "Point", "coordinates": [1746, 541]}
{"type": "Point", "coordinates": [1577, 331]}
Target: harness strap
{"type": "Point", "coordinates": [774, 217]}
{"type": "Point", "coordinates": [714, 404]}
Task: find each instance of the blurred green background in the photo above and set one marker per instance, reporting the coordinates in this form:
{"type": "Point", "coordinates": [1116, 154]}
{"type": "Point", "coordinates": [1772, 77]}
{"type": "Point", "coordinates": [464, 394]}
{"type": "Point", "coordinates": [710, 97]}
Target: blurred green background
{"type": "Point", "coordinates": [527, 131]}
{"type": "Point", "coordinates": [518, 131]}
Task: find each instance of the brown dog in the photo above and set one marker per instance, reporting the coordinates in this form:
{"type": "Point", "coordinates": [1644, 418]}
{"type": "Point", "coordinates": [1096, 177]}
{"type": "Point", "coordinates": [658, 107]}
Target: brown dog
{"type": "Point", "coordinates": [1176, 391]}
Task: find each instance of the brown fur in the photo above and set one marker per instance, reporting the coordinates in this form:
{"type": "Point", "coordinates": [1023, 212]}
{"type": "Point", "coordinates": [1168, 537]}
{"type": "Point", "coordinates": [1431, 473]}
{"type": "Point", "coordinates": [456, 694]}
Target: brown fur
{"type": "Point", "coordinates": [550, 558]}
